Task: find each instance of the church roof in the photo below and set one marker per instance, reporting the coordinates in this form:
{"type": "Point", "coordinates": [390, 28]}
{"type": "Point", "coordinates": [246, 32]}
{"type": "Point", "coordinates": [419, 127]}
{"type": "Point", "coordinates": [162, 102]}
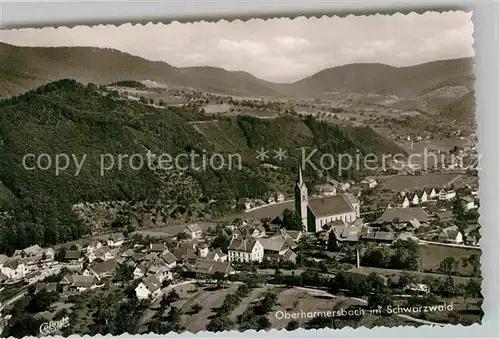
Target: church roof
{"type": "Point", "coordinates": [334, 205]}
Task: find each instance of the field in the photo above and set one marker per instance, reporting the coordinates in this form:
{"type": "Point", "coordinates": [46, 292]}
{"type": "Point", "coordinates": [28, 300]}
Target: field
{"type": "Point", "coordinates": [432, 255]}
{"type": "Point", "coordinates": [231, 110]}
{"type": "Point", "coordinates": [172, 230]}
{"type": "Point", "coordinates": [413, 182]}
{"type": "Point", "coordinates": [271, 211]}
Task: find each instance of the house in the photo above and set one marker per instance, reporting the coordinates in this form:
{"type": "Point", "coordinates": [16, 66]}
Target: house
{"type": "Point", "coordinates": [249, 230]}
{"type": "Point", "coordinates": [417, 289]}
{"type": "Point", "coordinates": [415, 199]}
{"type": "Point", "coordinates": [403, 215]}
{"type": "Point", "coordinates": [104, 269]}
{"type": "Point", "coordinates": [203, 268]}
{"type": "Point", "coordinates": [270, 199]}
{"type": "Point", "coordinates": [3, 259]}
{"type": "Point", "coordinates": [185, 251]}
{"type": "Point", "coordinates": [161, 272]}
{"type": "Point", "coordinates": [170, 259]}
{"type": "Point", "coordinates": [424, 197]}
{"type": "Point", "coordinates": [280, 197]}
{"type": "Point", "coordinates": [15, 268]}
{"type": "Point", "coordinates": [468, 203]}
{"type": "Point", "coordinates": [194, 231]}
{"type": "Point", "coordinates": [104, 253]}
{"type": "Point", "coordinates": [405, 203]}
{"type": "Point", "coordinates": [343, 232]}
{"type": "Point", "coordinates": [128, 253]}
{"type": "Point", "coordinates": [294, 235]}
{"type": "Point", "coordinates": [140, 271]}
{"type": "Point", "coordinates": [447, 194]}
{"type": "Point", "coordinates": [275, 246]}
{"type": "Point", "coordinates": [370, 182]}
{"type": "Point", "coordinates": [451, 235]}
{"type": "Point", "coordinates": [433, 194]}
{"type": "Point", "coordinates": [73, 257]}
{"type": "Point", "coordinates": [160, 248]}
{"type": "Point", "coordinates": [444, 215]}
{"type": "Point", "coordinates": [149, 288]}
{"type": "Point", "coordinates": [78, 282]}
{"type": "Point", "coordinates": [326, 190]}
{"type": "Point", "coordinates": [471, 240]}
{"type": "Point", "coordinates": [245, 250]}
{"type": "Point", "coordinates": [370, 235]}
{"type": "Point", "coordinates": [92, 246]}
{"type": "Point", "coordinates": [31, 251]}
{"type": "Point", "coordinates": [116, 240]}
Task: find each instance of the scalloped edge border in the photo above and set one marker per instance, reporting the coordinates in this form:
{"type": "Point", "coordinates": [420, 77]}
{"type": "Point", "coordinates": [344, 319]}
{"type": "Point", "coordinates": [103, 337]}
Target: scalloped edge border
{"type": "Point", "coordinates": [262, 16]}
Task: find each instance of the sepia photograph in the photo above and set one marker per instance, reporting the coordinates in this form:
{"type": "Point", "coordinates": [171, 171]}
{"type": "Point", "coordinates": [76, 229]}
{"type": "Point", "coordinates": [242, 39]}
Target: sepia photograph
{"type": "Point", "coordinates": [284, 174]}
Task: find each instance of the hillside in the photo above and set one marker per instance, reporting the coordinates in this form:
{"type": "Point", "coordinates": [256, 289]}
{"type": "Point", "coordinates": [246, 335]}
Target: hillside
{"type": "Point", "coordinates": [24, 68]}
{"type": "Point", "coordinates": [388, 80]}
{"type": "Point", "coordinates": [462, 109]}
{"type": "Point", "coordinates": [66, 117]}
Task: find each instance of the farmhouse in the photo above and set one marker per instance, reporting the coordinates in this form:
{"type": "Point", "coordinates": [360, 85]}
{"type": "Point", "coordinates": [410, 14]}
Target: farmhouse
{"type": "Point", "coordinates": [14, 268]}
{"type": "Point", "coordinates": [403, 215]}
{"type": "Point", "coordinates": [193, 230]}
{"type": "Point", "coordinates": [202, 268]}
{"type": "Point", "coordinates": [468, 203]}
{"type": "Point", "coordinates": [447, 194]}
{"type": "Point", "coordinates": [116, 240]}
{"type": "Point", "coordinates": [315, 213]}
{"type": "Point", "coordinates": [104, 269]}
{"type": "Point", "coordinates": [451, 235]}
{"type": "Point", "coordinates": [149, 288]}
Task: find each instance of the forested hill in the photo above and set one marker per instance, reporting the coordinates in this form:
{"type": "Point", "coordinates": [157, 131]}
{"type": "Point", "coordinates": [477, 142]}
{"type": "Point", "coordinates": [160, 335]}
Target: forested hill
{"type": "Point", "coordinates": [66, 117]}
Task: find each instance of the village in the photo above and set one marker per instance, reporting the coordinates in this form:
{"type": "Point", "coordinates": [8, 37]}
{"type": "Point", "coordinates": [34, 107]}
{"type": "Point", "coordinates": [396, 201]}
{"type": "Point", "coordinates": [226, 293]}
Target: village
{"type": "Point", "coordinates": [331, 233]}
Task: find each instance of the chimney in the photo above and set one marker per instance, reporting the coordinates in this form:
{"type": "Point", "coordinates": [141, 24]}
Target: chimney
{"type": "Point", "coordinates": [357, 259]}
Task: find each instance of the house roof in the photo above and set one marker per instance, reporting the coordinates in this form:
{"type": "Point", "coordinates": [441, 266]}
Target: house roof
{"type": "Point", "coordinates": [105, 266]}
{"type": "Point", "coordinates": [116, 237]}
{"type": "Point", "coordinates": [158, 247]}
{"type": "Point", "coordinates": [3, 259]}
{"type": "Point", "coordinates": [444, 215]}
{"type": "Point", "coordinates": [169, 257]}
{"type": "Point", "coordinates": [13, 263]}
{"type": "Point", "coordinates": [379, 235]}
{"type": "Point", "coordinates": [289, 255]}
{"type": "Point", "coordinates": [152, 283]}
{"type": "Point", "coordinates": [210, 267]}
{"type": "Point", "coordinates": [72, 255]}
{"type": "Point", "coordinates": [334, 205]}
{"type": "Point", "coordinates": [275, 244]}
{"type": "Point", "coordinates": [468, 199]}
{"type": "Point", "coordinates": [293, 234]}
{"type": "Point", "coordinates": [32, 250]}
{"type": "Point", "coordinates": [83, 280]}
{"type": "Point", "coordinates": [193, 228]}
{"type": "Point", "coordinates": [242, 245]}
{"type": "Point", "coordinates": [403, 214]}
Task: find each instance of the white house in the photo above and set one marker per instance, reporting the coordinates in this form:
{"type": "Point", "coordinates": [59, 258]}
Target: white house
{"type": "Point", "coordinates": [447, 195]}
{"type": "Point", "coordinates": [170, 259]}
{"type": "Point", "coordinates": [116, 240]}
{"type": "Point", "coordinates": [92, 246]}
{"type": "Point", "coordinates": [415, 200]}
{"type": "Point", "coordinates": [140, 271]}
{"type": "Point", "coordinates": [433, 194]}
{"type": "Point", "coordinates": [162, 273]}
{"type": "Point", "coordinates": [468, 203]}
{"type": "Point", "coordinates": [424, 197]}
{"type": "Point", "coordinates": [149, 288]}
{"type": "Point", "coordinates": [245, 250]}
{"type": "Point", "coordinates": [451, 235]}
{"type": "Point", "coordinates": [280, 197]}
{"type": "Point", "coordinates": [14, 268]}
{"type": "Point", "coordinates": [405, 203]}
{"type": "Point", "coordinates": [193, 230]}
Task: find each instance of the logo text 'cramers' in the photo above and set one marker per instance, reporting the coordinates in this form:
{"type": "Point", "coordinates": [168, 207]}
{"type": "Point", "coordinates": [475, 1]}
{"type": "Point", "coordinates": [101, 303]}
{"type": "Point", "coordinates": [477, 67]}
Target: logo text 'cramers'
{"type": "Point", "coordinates": [53, 326]}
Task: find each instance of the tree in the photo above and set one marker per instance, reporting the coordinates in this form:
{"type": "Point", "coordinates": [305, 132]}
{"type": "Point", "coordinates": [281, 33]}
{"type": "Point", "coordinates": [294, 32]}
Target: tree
{"type": "Point", "coordinates": [196, 308]}
{"type": "Point", "coordinates": [220, 278]}
{"type": "Point", "coordinates": [475, 262]}
{"type": "Point", "coordinates": [219, 324]}
{"type": "Point", "coordinates": [292, 325]}
{"type": "Point", "coordinates": [447, 265]}
{"type": "Point", "coordinates": [291, 220]}
{"type": "Point", "coordinates": [332, 244]}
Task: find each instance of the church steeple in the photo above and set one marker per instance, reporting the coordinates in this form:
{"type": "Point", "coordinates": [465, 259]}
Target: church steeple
{"type": "Point", "coordinates": [301, 199]}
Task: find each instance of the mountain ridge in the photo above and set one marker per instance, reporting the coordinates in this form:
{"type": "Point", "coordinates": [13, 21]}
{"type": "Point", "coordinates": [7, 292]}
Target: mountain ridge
{"type": "Point", "coordinates": [24, 68]}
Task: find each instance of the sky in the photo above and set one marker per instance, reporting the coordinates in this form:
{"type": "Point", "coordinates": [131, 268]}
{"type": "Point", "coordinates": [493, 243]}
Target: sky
{"type": "Point", "coordinates": [278, 50]}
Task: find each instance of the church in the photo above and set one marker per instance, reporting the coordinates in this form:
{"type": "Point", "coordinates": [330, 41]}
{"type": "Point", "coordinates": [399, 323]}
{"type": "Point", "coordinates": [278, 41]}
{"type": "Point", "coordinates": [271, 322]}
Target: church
{"type": "Point", "coordinates": [317, 212]}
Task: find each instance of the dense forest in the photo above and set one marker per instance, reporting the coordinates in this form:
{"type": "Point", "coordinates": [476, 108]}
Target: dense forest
{"type": "Point", "coordinates": [66, 117]}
